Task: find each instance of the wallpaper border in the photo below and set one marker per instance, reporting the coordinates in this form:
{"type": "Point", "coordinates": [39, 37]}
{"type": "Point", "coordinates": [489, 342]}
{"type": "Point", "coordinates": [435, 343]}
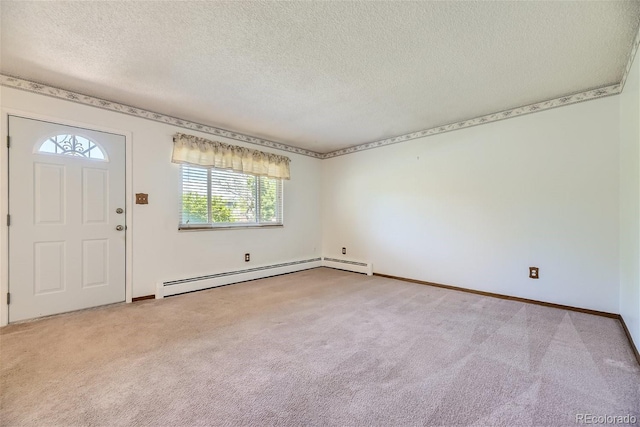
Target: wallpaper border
{"type": "Point", "coordinates": [489, 118]}
{"type": "Point", "coordinates": [42, 89]}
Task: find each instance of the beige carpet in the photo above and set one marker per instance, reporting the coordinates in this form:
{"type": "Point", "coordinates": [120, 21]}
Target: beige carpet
{"type": "Point", "coordinates": [319, 347]}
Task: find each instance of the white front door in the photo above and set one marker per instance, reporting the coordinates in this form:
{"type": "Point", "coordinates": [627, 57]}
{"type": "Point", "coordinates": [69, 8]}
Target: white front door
{"type": "Point", "coordinates": [67, 220]}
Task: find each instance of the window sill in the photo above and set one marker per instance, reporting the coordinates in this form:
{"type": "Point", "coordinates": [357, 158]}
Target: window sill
{"type": "Point", "coordinates": [227, 227]}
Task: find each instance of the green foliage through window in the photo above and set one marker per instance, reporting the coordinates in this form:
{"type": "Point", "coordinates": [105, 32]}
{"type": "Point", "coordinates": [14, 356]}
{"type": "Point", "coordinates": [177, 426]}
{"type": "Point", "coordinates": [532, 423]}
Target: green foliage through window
{"type": "Point", "coordinates": [194, 209]}
{"type": "Point", "coordinates": [213, 197]}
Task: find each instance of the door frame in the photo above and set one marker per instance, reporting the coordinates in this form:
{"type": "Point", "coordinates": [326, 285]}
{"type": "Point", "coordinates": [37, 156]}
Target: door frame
{"type": "Point", "coordinates": [4, 198]}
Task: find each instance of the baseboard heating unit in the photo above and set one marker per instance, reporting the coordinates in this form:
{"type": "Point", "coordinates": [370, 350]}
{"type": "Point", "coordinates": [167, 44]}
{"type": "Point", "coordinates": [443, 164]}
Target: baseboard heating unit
{"type": "Point", "coordinates": [349, 265]}
{"type": "Point", "coordinates": [174, 287]}
{"type": "Point", "coordinates": [181, 286]}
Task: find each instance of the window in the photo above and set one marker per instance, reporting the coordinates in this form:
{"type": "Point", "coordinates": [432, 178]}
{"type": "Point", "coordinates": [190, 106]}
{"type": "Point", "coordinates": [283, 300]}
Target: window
{"type": "Point", "coordinates": [213, 198]}
{"type": "Point", "coordinates": [72, 145]}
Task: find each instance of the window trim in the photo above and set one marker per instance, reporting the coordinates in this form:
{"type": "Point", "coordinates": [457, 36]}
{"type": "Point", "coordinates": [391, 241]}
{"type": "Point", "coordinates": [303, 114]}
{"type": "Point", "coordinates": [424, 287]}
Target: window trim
{"type": "Point", "coordinates": [229, 226]}
{"type": "Point", "coordinates": [205, 227]}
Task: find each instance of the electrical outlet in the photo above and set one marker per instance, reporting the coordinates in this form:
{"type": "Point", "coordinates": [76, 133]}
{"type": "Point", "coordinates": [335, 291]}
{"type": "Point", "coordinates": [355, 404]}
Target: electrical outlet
{"type": "Point", "coordinates": [247, 257]}
{"type": "Point", "coordinates": [534, 273]}
{"type": "Point", "coordinates": [344, 251]}
{"type": "Point", "coordinates": [142, 199]}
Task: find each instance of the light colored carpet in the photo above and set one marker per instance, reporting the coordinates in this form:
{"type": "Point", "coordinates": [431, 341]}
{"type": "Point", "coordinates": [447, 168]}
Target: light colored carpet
{"type": "Point", "coordinates": [319, 347]}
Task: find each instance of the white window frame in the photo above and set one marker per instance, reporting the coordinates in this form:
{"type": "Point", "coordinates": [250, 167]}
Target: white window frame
{"type": "Point", "coordinates": [210, 225]}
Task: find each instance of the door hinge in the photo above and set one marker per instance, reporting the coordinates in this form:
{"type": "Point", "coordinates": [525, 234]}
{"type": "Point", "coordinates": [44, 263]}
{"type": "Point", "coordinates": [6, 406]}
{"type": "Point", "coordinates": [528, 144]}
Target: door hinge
{"type": "Point", "coordinates": [8, 141]}
{"type": "Point", "coordinates": [8, 220]}
{"type": "Point", "coordinates": [8, 298]}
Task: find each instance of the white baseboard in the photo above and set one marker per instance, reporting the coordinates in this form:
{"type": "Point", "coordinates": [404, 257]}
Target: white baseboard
{"type": "Point", "coordinates": [174, 287]}
{"type": "Point", "coordinates": [349, 265]}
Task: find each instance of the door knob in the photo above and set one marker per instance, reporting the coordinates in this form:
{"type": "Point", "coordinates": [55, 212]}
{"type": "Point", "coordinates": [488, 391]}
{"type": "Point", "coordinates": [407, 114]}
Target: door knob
{"type": "Point", "coordinates": [119, 211]}
{"type": "Point", "coordinates": [119, 228]}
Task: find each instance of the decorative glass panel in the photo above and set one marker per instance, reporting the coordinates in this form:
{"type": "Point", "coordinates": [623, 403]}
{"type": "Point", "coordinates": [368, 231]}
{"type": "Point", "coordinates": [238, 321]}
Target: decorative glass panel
{"type": "Point", "coordinates": [72, 145]}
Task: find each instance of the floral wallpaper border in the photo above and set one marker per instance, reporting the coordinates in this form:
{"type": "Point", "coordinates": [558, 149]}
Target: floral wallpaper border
{"type": "Point", "coordinates": [632, 55]}
{"type": "Point", "coordinates": [42, 89]}
{"type": "Point", "coordinates": [489, 118]}
{"type": "Point", "coordinates": [54, 92]}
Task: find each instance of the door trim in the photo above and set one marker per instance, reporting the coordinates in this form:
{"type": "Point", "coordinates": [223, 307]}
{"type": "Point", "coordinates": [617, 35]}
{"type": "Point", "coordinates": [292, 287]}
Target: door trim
{"type": "Point", "coordinates": [4, 198]}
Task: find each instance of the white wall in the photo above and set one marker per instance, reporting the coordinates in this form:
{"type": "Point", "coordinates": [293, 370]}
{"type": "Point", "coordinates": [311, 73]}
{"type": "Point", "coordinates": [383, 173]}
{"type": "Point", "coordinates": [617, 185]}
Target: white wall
{"type": "Point", "coordinates": [476, 207]}
{"type": "Point", "coordinates": [630, 202]}
{"type": "Point", "coordinates": [472, 208]}
{"type": "Point", "coordinates": [160, 251]}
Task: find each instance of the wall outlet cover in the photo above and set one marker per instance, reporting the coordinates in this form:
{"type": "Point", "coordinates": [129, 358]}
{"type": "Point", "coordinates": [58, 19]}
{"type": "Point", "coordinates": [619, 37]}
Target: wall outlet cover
{"type": "Point", "coordinates": [534, 273]}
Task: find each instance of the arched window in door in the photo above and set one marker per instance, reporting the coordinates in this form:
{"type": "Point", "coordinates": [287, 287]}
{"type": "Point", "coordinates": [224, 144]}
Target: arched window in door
{"type": "Point", "coordinates": [73, 145]}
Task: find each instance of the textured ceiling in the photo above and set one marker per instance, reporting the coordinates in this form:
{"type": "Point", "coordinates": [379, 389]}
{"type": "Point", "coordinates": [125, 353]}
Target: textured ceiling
{"type": "Point", "coordinates": [320, 75]}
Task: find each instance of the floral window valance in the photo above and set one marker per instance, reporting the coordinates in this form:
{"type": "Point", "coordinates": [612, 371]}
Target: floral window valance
{"type": "Point", "coordinates": [197, 151]}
